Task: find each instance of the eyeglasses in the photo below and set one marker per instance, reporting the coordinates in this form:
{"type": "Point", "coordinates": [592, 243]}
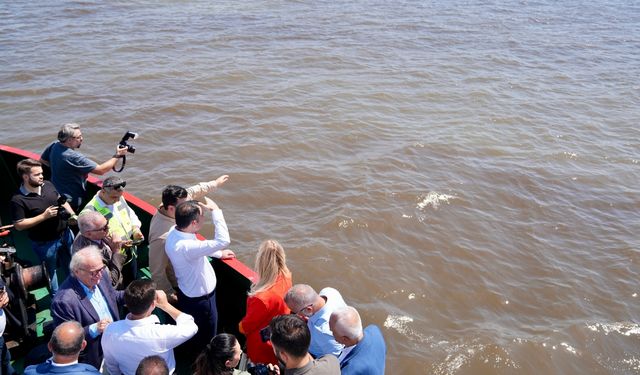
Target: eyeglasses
{"type": "Point", "coordinates": [304, 308]}
{"type": "Point", "coordinates": [79, 136]}
{"type": "Point", "coordinates": [94, 273]}
{"type": "Point", "coordinates": [103, 229]}
{"type": "Point", "coordinates": [118, 186]}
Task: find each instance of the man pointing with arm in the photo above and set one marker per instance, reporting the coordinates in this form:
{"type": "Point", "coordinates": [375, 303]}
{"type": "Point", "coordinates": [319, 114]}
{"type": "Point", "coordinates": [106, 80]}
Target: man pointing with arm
{"type": "Point", "coordinates": [193, 270]}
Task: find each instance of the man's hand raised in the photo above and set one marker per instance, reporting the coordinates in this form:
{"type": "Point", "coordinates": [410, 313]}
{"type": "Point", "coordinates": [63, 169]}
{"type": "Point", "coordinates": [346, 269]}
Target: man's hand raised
{"type": "Point", "coordinates": [209, 204]}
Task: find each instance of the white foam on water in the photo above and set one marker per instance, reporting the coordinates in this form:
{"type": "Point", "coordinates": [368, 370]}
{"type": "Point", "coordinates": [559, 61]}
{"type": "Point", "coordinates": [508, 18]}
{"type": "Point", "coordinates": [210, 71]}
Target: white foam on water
{"type": "Point", "coordinates": [399, 323]}
{"type": "Point", "coordinates": [622, 328]}
{"type": "Point", "coordinates": [569, 348]}
{"type": "Point", "coordinates": [434, 199]}
{"type": "Point", "coordinates": [460, 355]}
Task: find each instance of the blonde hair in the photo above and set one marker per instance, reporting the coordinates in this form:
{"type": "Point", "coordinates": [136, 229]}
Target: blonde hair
{"type": "Point", "coordinates": [271, 262]}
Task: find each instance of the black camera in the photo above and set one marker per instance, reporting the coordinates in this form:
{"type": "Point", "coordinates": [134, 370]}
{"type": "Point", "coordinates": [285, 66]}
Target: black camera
{"type": "Point", "coordinates": [258, 369]}
{"type": "Point", "coordinates": [63, 214]}
{"type": "Point", "coordinates": [123, 142]}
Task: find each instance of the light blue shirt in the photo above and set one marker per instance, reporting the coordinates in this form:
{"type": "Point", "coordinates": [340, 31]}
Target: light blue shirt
{"type": "Point", "coordinates": [322, 341]}
{"type": "Point", "coordinates": [100, 304]}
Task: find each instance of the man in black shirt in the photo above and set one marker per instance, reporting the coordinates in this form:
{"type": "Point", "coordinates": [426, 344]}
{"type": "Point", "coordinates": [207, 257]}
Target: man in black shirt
{"type": "Point", "coordinates": [35, 208]}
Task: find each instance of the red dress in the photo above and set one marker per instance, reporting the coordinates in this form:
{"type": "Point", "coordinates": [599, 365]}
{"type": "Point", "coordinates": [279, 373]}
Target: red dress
{"type": "Point", "coordinates": [261, 308]}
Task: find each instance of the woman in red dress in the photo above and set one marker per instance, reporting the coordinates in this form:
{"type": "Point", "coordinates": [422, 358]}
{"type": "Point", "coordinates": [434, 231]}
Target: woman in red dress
{"type": "Point", "coordinates": [266, 300]}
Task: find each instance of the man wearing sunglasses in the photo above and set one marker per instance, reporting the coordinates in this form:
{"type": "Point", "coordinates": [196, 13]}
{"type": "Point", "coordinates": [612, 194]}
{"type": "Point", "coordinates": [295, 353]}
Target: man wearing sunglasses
{"type": "Point", "coordinates": [94, 230]}
{"type": "Point", "coordinates": [124, 224]}
{"type": "Point", "coordinates": [70, 168]}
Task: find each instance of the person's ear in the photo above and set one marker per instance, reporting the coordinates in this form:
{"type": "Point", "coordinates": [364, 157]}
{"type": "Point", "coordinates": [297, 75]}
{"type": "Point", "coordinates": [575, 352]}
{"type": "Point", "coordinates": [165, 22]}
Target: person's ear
{"type": "Point", "coordinates": [84, 345]}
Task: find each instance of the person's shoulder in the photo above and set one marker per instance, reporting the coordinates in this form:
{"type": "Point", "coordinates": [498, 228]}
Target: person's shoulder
{"type": "Point", "coordinates": [46, 368]}
{"type": "Point", "coordinates": [82, 368]}
{"type": "Point", "coordinates": [114, 329]}
{"type": "Point", "coordinates": [333, 296]}
{"type": "Point", "coordinates": [372, 328]}
{"type": "Point", "coordinates": [48, 186]}
{"type": "Point", "coordinates": [328, 362]}
{"type": "Point", "coordinates": [47, 151]}
{"type": "Point", "coordinates": [66, 291]}
{"type": "Point", "coordinates": [373, 337]}
{"type": "Point", "coordinates": [33, 369]}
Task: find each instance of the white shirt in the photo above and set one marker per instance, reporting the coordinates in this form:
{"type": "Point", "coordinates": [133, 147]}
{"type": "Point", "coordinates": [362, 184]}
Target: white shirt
{"type": "Point", "coordinates": [126, 342]}
{"type": "Point", "coordinates": [322, 340]}
{"type": "Point", "coordinates": [188, 255]}
{"type": "Point", "coordinates": [3, 321]}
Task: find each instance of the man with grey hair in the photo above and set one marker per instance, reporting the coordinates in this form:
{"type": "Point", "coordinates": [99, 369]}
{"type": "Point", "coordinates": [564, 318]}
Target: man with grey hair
{"type": "Point", "coordinates": [67, 341]}
{"type": "Point", "coordinates": [88, 297]}
{"type": "Point", "coordinates": [316, 308]}
{"type": "Point", "coordinates": [124, 225]}
{"type": "Point", "coordinates": [365, 351]}
{"type": "Point", "coordinates": [94, 230]}
{"type": "Point", "coordinates": [69, 168]}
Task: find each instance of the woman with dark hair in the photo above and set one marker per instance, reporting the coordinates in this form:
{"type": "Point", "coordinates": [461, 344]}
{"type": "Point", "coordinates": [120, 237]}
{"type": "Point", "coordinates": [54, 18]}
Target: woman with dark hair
{"type": "Point", "coordinates": [266, 300]}
{"type": "Point", "coordinates": [220, 357]}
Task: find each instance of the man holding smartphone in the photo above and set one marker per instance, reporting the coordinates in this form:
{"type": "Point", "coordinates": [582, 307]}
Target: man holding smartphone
{"type": "Point", "coordinates": [124, 224]}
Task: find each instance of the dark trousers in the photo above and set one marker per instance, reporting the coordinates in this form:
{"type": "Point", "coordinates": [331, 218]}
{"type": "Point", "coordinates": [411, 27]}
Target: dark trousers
{"type": "Point", "coordinates": [205, 313]}
{"type": "Point", "coordinates": [5, 359]}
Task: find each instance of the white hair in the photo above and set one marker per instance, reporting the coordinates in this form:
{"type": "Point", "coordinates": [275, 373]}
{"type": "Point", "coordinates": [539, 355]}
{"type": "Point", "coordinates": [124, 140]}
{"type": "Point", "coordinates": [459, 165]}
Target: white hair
{"type": "Point", "coordinates": [87, 220]}
{"type": "Point", "coordinates": [80, 257]}
{"type": "Point", "coordinates": [347, 322]}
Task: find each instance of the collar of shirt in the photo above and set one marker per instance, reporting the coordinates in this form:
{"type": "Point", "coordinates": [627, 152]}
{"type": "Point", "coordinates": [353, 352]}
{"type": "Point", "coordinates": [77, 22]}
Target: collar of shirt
{"type": "Point", "coordinates": [62, 364]}
{"type": "Point", "coordinates": [185, 235]}
{"type": "Point", "coordinates": [88, 291]}
{"type": "Point", "coordinates": [151, 319]}
{"type": "Point", "coordinates": [103, 204]}
{"type": "Point", "coordinates": [24, 191]}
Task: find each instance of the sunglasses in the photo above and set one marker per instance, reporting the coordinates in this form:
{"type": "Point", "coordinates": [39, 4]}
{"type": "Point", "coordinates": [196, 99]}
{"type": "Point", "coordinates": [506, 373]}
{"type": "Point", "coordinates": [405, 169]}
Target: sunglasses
{"type": "Point", "coordinates": [118, 186]}
{"type": "Point", "coordinates": [94, 273]}
{"type": "Point", "coordinates": [103, 229]}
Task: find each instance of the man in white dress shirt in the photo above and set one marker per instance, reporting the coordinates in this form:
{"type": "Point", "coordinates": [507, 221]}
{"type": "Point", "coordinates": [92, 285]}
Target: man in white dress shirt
{"type": "Point", "coordinates": [193, 270]}
{"type": "Point", "coordinates": [127, 342]}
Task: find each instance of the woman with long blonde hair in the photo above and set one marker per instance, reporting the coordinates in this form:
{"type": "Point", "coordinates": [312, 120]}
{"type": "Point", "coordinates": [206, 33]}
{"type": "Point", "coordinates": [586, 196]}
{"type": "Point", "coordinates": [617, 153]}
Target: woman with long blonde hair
{"type": "Point", "coordinates": [266, 300]}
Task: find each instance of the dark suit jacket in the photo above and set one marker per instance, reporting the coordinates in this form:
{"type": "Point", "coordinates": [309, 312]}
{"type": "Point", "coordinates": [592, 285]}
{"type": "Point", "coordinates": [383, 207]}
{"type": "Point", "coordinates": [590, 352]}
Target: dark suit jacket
{"type": "Point", "coordinates": [48, 368]}
{"type": "Point", "coordinates": [368, 356]}
{"type": "Point", "coordinates": [71, 303]}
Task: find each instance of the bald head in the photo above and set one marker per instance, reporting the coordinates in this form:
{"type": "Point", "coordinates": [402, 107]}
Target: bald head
{"type": "Point", "coordinates": [299, 297]}
{"type": "Point", "coordinates": [152, 365]}
{"type": "Point", "coordinates": [67, 340]}
{"type": "Point", "coordinates": [346, 326]}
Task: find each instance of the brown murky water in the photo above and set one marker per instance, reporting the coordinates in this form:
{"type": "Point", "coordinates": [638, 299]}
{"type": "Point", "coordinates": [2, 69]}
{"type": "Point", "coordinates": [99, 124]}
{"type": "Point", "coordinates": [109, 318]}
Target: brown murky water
{"type": "Point", "coordinates": [465, 173]}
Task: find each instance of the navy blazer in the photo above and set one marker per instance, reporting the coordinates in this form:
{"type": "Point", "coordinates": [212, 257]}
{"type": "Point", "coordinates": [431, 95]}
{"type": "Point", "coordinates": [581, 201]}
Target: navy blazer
{"type": "Point", "coordinates": [71, 303]}
{"type": "Point", "coordinates": [368, 356]}
{"type": "Point", "coordinates": [48, 368]}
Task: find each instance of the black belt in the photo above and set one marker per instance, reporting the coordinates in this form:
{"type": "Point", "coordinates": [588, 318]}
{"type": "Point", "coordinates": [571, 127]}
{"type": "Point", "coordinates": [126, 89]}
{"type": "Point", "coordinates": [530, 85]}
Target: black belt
{"type": "Point", "coordinates": [206, 296]}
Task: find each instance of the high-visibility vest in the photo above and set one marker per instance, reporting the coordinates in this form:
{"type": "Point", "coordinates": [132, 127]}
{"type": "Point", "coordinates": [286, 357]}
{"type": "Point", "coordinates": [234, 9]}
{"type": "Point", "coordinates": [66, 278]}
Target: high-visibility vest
{"type": "Point", "coordinates": [118, 219]}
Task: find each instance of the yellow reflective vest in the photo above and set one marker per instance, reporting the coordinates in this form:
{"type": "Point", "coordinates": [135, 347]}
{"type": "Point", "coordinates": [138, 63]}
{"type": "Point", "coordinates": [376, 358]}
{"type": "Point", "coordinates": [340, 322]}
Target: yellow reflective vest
{"type": "Point", "coordinates": [122, 220]}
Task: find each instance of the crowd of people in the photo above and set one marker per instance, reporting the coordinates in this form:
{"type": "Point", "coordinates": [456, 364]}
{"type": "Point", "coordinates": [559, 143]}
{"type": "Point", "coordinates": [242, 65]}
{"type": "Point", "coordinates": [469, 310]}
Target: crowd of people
{"type": "Point", "coordinates": [289, 328]}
